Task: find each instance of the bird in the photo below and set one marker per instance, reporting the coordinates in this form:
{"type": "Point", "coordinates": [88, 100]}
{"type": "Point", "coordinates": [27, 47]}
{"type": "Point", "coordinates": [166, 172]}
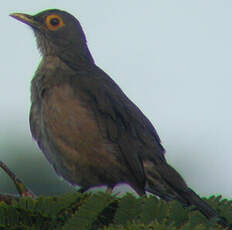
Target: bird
{"type": "Point", "coordinates": [88, 129]}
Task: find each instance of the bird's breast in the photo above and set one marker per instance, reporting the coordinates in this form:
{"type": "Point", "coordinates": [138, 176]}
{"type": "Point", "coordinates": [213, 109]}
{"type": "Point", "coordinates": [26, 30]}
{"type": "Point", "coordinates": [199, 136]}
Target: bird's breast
{"type": "Point", "coordinates": [75, 143]}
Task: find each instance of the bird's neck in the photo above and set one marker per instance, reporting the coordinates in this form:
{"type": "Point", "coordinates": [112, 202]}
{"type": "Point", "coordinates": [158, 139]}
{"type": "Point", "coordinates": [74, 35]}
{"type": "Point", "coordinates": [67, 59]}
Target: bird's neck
{"type": "Point", "coordinates": [77, 58]}
{"type": "Point", "coordinates": [76, 55]}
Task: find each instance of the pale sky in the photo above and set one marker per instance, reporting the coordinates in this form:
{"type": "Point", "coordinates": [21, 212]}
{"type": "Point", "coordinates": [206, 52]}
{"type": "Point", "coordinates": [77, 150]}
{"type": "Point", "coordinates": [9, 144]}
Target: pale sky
{"type": "Point", "coordinates": [172, 58]}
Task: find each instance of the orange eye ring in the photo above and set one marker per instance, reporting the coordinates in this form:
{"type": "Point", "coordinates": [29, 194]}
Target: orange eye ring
{"type": "Point", "coordinates": [54, 22]}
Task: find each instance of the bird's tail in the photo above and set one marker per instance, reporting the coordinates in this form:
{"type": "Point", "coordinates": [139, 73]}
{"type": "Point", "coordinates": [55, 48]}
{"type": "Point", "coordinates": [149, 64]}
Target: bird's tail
{"type": "Point", "coordinates": [193, 199]}
{"type": "Point", "coordinates": [166, 182]}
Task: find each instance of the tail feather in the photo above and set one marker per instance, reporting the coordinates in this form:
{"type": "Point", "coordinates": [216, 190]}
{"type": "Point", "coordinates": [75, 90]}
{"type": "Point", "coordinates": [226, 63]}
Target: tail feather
{"type": "Point", "coordinates": [204, 207]}
{"type": "Point", "coordinates": [165, 182]}
{"type": "Point", "coordinates": [193, 199]}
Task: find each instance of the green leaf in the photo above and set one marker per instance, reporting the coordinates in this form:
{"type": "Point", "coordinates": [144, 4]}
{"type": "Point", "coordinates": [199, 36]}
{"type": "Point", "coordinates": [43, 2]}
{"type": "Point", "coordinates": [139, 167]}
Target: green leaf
{"type": "Point", "coordinates": [88, 212]}
{"type": "Point", "coordinates": [128, 210]}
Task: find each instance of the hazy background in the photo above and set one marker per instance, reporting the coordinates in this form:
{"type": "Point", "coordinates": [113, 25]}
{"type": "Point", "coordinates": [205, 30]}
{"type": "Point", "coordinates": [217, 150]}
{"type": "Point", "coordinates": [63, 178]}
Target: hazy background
{"type": "Point", "coordinates": [172, 58]}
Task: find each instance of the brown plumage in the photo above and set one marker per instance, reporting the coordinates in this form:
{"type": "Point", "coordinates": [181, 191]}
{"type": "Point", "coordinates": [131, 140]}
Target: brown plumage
{"type": "Point", "coordinates": [88, 129]}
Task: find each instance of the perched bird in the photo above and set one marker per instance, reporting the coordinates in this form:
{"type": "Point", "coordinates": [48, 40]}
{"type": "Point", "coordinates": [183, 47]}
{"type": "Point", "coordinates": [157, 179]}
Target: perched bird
{"type": "Point", "coordinates": [87, 128]}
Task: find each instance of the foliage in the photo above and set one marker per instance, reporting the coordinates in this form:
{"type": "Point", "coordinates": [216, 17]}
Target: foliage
{"type": "Point", "coordinates": [93, 211]}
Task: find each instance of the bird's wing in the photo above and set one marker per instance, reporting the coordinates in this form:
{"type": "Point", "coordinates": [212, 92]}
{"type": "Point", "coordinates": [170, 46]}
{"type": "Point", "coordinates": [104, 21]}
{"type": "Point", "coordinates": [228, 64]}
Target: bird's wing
{"type": "Point", "coordinates": [122, 123]}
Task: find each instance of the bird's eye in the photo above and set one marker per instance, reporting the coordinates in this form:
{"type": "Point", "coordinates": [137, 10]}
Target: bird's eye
{"type": "Point", "coordinates": [54, 22]}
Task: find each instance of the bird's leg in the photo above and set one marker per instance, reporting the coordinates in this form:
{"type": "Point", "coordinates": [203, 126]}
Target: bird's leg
{"type": "Point", "coordinates": [82, 189]}
{"type": "Point", "coordinates": [109, 190]}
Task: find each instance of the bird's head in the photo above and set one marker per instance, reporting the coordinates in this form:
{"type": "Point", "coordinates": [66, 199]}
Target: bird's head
{"type": "Point", "coordinates": [57, 33]}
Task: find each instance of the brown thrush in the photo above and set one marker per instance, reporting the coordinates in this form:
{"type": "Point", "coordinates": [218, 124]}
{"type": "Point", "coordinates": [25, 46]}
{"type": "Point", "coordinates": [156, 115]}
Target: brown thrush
{"type": "Point", "coordinates": [87, 128]}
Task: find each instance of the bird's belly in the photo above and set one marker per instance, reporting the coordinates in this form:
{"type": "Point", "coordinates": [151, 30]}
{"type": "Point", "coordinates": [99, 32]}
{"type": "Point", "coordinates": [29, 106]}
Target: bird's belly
{"type": "Point", "coordinates": [74, 144]}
